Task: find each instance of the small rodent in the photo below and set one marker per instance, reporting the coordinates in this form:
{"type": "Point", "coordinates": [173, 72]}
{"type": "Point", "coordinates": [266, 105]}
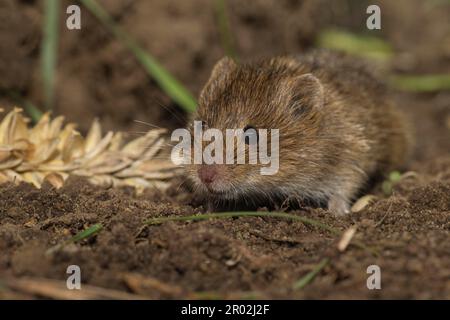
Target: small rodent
{"type": "Point", "coordinates": [337, 129]}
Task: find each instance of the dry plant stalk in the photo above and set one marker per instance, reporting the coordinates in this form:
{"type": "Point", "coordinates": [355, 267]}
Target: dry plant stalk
{"type": "Point", "coordinates": [346, 238]}
{"type": "Point", "coordinates": [51, 151]}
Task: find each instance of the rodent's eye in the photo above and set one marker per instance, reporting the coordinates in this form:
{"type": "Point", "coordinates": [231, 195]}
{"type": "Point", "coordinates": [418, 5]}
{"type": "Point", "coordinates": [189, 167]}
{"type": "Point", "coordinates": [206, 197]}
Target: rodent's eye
{"type": "Point", "coordinates": [251, 135]}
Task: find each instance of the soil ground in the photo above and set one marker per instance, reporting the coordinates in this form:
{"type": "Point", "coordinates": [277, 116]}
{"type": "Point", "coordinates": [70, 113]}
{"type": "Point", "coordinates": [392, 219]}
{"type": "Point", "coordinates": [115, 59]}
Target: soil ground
{"type": "Point", "coordinates": [257, 257]}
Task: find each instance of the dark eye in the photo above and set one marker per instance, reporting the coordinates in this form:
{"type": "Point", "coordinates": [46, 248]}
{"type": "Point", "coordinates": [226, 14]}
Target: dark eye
{"type": "Point", "coordinates": [251, 135]}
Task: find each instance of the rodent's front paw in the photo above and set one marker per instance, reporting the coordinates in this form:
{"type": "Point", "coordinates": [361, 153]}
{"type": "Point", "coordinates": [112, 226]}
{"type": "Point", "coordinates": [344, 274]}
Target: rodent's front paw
{"type": "Point", "coordinates": [338, 206]}
{"type": "Point", "coordinates": [210, 207]}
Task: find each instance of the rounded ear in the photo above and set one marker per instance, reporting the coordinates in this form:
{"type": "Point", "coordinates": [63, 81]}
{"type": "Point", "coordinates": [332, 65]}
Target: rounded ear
{"type": "Point", "coordinates": [307, 93]}
{"type": "Point", "coordinates": [221, 69]}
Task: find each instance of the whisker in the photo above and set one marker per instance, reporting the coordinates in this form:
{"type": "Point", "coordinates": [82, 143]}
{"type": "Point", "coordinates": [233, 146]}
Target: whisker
{"type": "Point", "coordinates": [134, 133]}
{"type": "Point", "coordinates": [164, 143]}
{"type": "Point", "coordinates": [182, 182]}
{"type": "Point", "coordinates": [148, 124]}
{"type": "Point", "coordinates": [167, 109]}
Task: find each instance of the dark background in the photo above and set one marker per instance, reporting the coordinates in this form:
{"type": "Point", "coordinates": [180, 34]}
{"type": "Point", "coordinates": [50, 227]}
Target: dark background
{"type": "Point", "coordinates": [241, 258]}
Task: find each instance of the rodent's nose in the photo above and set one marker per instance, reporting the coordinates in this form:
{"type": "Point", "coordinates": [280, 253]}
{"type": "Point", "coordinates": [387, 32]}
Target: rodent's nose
{"type": "Point", "coordinates": [207, 173]}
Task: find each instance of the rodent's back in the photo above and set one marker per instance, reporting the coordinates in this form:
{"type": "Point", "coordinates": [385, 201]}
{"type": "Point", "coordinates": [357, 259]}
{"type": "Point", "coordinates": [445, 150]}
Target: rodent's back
{"type": "Point", "coordinates": [357, 95]}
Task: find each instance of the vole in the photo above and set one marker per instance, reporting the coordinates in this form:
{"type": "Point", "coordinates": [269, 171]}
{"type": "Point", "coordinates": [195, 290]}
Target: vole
{"type": "Point", "coordinates": [337, 129]}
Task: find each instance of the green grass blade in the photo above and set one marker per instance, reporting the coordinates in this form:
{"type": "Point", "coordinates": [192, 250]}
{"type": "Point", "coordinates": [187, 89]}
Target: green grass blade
{"type": "Point", "coordinates": [304, 281]}
{"type": "Point", "coordinates": [33, 111]}
{"type": "Point", "coordinates": [224, 29]}
{"type": "Point", "coordinates": [361, 45]}
{"type": "Point", "coordinates": [165, 80]}
{"type": "Point", "coordinates": [49, 50]}
{"type": "Point", "coordinates": [222, 215]}
{"type": "Point", "coordinates": [421, 83]}
{"type": "Point", "coordinates": [283, 215]}
{"type": "Point", "coordinates": [89, 232]}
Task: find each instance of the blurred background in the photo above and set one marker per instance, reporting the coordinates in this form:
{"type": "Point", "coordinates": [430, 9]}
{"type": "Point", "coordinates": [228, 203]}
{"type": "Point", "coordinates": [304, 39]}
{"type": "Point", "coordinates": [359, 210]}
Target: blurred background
{"type": "Point", "coordinates": [147, 60]}
{"type": "Point", "coordinates": [97, 75]}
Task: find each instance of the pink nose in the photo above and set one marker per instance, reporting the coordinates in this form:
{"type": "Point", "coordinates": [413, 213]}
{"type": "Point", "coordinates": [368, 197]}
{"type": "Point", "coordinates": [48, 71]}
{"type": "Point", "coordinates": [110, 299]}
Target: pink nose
{"type": "Point", "coordinates": [207, 174]}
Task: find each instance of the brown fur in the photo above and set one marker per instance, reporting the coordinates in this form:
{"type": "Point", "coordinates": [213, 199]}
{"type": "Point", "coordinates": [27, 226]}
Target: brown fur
{"type": "Point", "coordinates": [335, 133]}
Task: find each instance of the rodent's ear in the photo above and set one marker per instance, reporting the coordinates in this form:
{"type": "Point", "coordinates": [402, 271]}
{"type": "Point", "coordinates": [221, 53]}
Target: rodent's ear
{"type": "Point", "coordinates": [223, 67]}
{"type": "Point", "coordinates": [307, 92]}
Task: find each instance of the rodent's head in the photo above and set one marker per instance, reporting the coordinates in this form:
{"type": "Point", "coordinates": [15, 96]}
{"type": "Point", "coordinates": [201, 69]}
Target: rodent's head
{"type": "Point", "coordinates": [271, 94]}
